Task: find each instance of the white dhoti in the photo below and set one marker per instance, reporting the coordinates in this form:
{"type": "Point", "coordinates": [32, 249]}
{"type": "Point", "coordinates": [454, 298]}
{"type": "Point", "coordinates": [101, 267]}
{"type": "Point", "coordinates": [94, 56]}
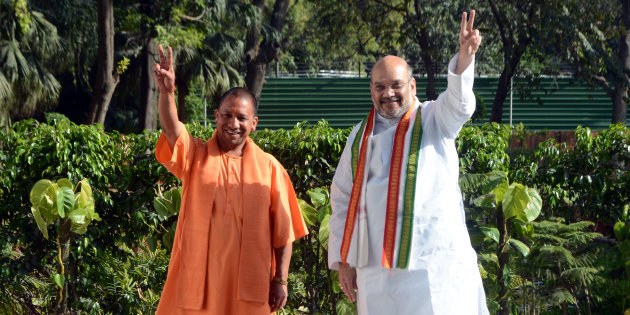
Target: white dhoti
{"type": "Point", "coordinates": [447, 285]}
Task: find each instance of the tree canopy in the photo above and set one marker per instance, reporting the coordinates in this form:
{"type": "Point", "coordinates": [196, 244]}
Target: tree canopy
{"type": "Point", "coordinates": [50, 49]}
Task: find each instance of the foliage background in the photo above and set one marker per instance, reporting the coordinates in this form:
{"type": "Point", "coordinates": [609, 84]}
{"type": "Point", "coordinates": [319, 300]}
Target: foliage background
{"type": "Point", "coordinates": [120, 264]}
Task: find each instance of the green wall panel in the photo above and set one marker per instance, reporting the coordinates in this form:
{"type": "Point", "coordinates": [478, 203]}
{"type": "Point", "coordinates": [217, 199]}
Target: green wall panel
{"type": "Point", "coordinates": [557, 104]}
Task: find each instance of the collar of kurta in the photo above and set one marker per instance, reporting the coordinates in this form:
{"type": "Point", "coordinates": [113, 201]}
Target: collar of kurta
{"type": "Point", "coordinates": [256, 258]}
{"type": "Point", "coordinates": [402, 182]}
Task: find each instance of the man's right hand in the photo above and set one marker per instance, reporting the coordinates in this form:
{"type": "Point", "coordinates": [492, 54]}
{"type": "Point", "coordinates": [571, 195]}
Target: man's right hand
{"type": "Point", "coordinates": [348, 281]}
{"type": "Point", "coordinates": [164, 73]}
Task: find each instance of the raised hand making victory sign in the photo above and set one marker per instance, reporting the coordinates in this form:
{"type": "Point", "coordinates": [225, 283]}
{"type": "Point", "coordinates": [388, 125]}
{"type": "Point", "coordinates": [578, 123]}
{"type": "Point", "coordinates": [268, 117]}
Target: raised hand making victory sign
{"type": "Point", "coordinates": [469, 41]}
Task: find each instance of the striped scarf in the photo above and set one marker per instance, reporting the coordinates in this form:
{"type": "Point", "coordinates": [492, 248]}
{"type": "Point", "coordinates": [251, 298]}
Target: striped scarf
{"type": "Point", "coordinates": [401, 166]}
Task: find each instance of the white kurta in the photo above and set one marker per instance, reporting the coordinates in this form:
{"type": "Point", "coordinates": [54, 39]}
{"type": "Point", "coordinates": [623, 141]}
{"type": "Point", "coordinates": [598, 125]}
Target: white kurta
{"type": "Point", "coordinates": [443, 276]}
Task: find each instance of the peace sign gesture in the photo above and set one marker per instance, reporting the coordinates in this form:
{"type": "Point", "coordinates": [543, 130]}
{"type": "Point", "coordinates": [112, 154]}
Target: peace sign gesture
{"type": "Point", "coordinates": [164, 73]}
{"type": "Point", "coordinates": [469, 39]}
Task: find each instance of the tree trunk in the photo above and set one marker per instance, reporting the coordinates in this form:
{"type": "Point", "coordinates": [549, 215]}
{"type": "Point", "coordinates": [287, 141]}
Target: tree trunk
{"type": "Point", "coordinates": [255, 78]}
{"type": "Point", "coordinates": [620, 100]}
{"type": "Point", "coordinates": [515, 41]}
{"type": "Point", "coordinates": [564, 308]}
{"type": "Point", "coordinates": [499, 97]}
{"type": "Point", "coordinates": [72, 272]}
{"type": "Point", "coordinates": [504, 257]}
{"type": "Point", "coordinates": [63, 242]}
{"type": "Point", "coordinates": [423, 41]}
{"type": "Point", "coordinates": [182, 81]}
{"type": "Point", "coordinates": [182, 92]}
{"type": "Point", "coordinates": [509, 69]}
{"type": "Point", "coordinates": [533, 295]}
{"type": "Point", "coordinates": [148, 96]}
{"type": "Point", "coordinates": [588, 301]}
{"type": "Point", "coordinates": [106, 76]}
{"type": "Point", "coordinates": [620, 106]}
{"type": "Point", "coordinates": [257, 54]}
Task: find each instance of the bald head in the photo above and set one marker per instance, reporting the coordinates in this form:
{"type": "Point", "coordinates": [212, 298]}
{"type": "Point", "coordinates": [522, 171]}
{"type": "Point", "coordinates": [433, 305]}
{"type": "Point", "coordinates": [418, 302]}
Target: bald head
{"type": "Point", "coordinates": [391, 63]}
{"type": "Point", "coordinates": [393, 87]}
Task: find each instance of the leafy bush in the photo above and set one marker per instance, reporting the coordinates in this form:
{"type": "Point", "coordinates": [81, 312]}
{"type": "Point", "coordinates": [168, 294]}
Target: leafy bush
{"type": "Point", "coordinates": [588, 181]}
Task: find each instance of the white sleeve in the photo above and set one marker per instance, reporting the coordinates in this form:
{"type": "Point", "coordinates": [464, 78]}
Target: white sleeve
{"type": "Point", "coordinates": [456, 105]}
{"type": "Point", "coordinates": [340, 191]}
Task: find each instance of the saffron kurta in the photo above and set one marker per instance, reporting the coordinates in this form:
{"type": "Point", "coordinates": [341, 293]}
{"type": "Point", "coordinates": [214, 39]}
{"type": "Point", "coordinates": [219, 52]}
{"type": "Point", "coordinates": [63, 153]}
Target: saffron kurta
{"type": "Point", "coordinates": [234, 273]}
{"type": "Point", "coordinates": [443, 276]}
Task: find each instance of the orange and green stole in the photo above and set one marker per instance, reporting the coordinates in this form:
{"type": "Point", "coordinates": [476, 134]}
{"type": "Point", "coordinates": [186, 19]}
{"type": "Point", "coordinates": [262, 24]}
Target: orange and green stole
{"type": "Point", "coordinates": [401, 167]}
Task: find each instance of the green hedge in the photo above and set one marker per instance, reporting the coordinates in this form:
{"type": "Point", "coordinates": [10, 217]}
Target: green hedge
{"type": "Point", "coordinates": [115, 269]}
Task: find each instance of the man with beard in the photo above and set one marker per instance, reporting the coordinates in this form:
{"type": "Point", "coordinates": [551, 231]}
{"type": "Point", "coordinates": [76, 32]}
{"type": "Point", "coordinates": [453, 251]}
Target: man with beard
{"type": "Point", "coordinates": [239, 214]}
{"type": "Point", "coordinates": [397, 233]}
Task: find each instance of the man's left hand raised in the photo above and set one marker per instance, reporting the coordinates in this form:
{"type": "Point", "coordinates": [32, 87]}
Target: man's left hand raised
{"type": "Point", "coordinates": [469, 41]}
{"type": "Point", "coordinates": [278, 294]}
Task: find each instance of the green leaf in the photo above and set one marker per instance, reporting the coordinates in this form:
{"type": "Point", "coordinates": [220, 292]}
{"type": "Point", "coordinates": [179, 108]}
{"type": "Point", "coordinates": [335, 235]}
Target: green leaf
{"type": "Point", "coordinates": [492, 258]}
{"type": "Point", "coordinates": [620, 231]}
{"type": "Point", "coordinates": [41, 224]}
{"type": "Point", "coordinates": [65, 201]}
{"type": "Point", "coordinates": [308, 212]}
{"type": "Point", "coordinates": [94, 216]}
{"type": "Point", "coordinates": [534, 205]}
{"type": "Point", "coordinates": [490, 232]}
{"type": "Point", "coordinates": [79, 228]}
{"type": "Point", "coordinates": [515, 201]}
{"type": "Point", "coordinates": [493, 307]}
{"type": "Point", "coordinates": [152, 243]}
{"type": "Point", "coordinates": [64, 182]}
{"type": "Point", "coordinates": [85, 200]}
{"type": "Point", "coordinates": [176, 199]}
{"type": "Point", "coordinates": [39, 190]}
{"type": "Point", "coordinates": [168, 237]}
{"type": "Point", "coordinates": [324, 231]}
{"type": "Point", "coordinates": [323, 212]}
{"type": "Point", "coordinates": [524, 230]}
{"type": "Point", "coordinates": [499, 192]}
{"type": "Point", "coordinates": [520, 246]}
{"type": "Point", "coordinates": [318, 197]}
{"type": "Point", "coordinates": [345, 307]}
{"type": "Point", "coordinates": [161, 206]}
{"type": "Point", "coordinates": [476, 239]}
{"type": "Point", "coordinates": [78, 216]}
{"type": "Point", "coordinates": [334, 275]}
{"type": "Point", "coordinates": [493, 181]}
{"type": "Point", "coordinates": [486, 201]}
{"type": "Point", "coordinates": [59, 280]}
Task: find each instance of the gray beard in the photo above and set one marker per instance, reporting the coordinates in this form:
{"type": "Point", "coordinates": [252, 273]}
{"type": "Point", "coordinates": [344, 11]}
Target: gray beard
{"type": "Point", "coordinates": [397, 114]}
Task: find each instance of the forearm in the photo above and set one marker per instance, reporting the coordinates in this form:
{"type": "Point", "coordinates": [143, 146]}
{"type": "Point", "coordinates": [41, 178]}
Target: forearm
{"type": "Point", "coordinates": [283, 259]}
{"type": "Point", "coordinates": [168, 117]}
{"type": "Point", "coordinates": [457, 104]}
{"type": "Point", "coordinates": [463, 61]}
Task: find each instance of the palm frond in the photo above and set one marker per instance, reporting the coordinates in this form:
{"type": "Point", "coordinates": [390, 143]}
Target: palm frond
{"type": "Point", "coordinates": [227, 48]}
{"type": "Point", "coordinates": [269, 34]}
{"type": "Point", "coordinates": [12, 62]}
{"type": "Point", "coordinates": [5, 88]}
{"type": "Point", "coordinates": [562, 295]}
{"type": "Point", "coordinates": [244, 13]}
{"type": "Point", "coordinates": [43, 39]}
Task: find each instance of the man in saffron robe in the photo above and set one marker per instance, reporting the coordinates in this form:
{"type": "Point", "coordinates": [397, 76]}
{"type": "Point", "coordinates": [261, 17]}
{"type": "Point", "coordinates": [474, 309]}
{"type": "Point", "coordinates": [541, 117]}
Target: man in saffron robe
{"type": "Point", "coordinates": [239, 214]}
{"type": "Point", "coordinates": [397, 233]}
